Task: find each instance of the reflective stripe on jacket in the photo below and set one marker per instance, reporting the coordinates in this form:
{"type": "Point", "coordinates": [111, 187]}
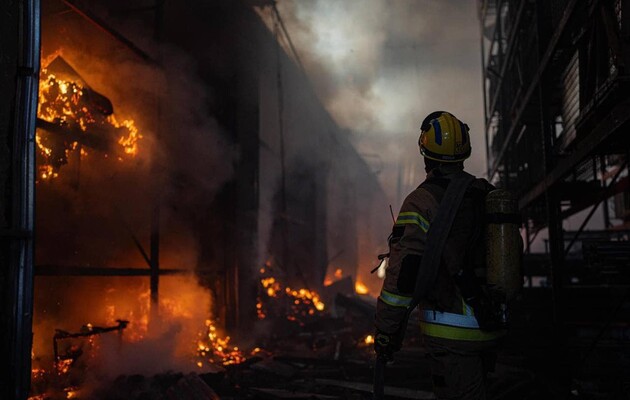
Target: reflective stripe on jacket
{"type": "Point", "coordinates": [444, 314]}
{"type": "Point", "coordinates": [454, 326]}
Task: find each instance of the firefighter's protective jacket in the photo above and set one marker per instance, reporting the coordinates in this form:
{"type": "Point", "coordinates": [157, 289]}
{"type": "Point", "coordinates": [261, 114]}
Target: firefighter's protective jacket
{"type": "Point", "coordinates": [443, 313]}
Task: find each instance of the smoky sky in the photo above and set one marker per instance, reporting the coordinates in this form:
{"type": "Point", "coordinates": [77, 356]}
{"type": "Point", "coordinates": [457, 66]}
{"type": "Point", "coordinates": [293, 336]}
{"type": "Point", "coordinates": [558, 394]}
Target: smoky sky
{"type": "Point", "coordinates": [380, 66]}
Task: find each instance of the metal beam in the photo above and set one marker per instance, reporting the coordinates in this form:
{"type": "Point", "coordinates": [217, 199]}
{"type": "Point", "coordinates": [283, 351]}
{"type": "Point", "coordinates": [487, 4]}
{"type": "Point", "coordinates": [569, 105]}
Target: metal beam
{"type": "Point", "coordinates": [590, 214]}
{"type": "Point", "coordinates": [555, 38]}
{"type": "Point", "coordinates": [611, 123]}
{"type": "Point", "coordinates": [595, 197]}
{"type": "Point", "coordinates": [62, 270]}
{"type": "Point", "coordinates": [507, 59]}
{"type": "Point", "coordinates": [99, 23]}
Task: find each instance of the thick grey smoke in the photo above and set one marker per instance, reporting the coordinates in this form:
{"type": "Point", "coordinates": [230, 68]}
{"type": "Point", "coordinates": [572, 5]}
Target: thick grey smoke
{"type": "Point", "coordinates": [380, 66]}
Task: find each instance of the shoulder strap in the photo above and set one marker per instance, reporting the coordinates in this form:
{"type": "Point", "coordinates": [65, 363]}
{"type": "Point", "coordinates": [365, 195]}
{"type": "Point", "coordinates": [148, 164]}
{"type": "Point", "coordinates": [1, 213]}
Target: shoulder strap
{"type": "Point", "coordinates": [438, 233]}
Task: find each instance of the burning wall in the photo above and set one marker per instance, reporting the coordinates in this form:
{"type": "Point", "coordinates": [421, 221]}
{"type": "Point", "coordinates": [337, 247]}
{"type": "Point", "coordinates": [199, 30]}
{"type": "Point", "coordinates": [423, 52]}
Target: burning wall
{"type": "Point", "coordinates": [89, 215]}
{"type": "Point", "coordinates": [101, 176]}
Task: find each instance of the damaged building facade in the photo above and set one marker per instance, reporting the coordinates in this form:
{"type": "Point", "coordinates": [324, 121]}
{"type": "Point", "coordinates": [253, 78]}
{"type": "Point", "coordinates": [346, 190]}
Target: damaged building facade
{"type": "Point", "coordinates": [164, 150]}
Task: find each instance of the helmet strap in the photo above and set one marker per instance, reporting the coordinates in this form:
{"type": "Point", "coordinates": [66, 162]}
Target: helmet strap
{"type": "Point", "coordinates": [430, 165]}
{"type": "Point", "coordinates": [435, 166]}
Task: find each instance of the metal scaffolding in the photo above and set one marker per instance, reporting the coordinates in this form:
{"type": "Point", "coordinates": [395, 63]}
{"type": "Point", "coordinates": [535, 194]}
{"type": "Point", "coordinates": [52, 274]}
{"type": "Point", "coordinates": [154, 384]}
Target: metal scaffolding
{"type": "Point", "coordinates": [557, 111]}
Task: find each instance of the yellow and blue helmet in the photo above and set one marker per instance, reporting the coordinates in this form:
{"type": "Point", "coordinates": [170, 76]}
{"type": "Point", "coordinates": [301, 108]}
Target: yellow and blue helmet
{"type": "Point", "coordinates": [444, 138]}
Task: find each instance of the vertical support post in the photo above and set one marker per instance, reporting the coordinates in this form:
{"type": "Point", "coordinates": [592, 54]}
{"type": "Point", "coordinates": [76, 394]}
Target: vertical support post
{"type": "Point", "coordinates": [247, 126]}
{"type": "Point", "coordinates": [283, 178]}
{"type": "Point", "coordinates": [602, 163]}
{"type": "Point", "coordinates": [155, 212]}
{"type": "Point", "coordinates": [19, 75]}
{"type": "Point", "coordinates": [552, 198]}
{"type": "Point", "coordinates": [557, 344]}
{"type": "Point", "coordinates": [503, 122]}
{"type": "Point", "coordinates": [155, 256]}
{"type": "Point", "coordinates": [484, 77]}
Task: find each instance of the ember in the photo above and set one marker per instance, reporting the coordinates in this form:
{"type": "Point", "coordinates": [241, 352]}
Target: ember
{"type": "Point", "coordinates": [298, 304]}
{"type": "Point", "coordinates": [336, 276]}
{"type": "Point", "coordinates": [216, 349]}
{"type": "Point", "coordinates": [360, 288]}
{"type": "Point", "coordinates": [369, 339]}
{"type": "Point", "coordinates": [72, 115]}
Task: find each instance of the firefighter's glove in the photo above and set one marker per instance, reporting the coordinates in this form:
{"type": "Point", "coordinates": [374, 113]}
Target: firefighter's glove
{"type": "Point", "coordinates": [386, 344]}
{"type": "Point", "coordinates": [487, 313]}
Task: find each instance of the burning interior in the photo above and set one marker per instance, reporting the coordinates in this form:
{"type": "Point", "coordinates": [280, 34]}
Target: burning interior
{"type": "Point", "coordinates": [191, 208]}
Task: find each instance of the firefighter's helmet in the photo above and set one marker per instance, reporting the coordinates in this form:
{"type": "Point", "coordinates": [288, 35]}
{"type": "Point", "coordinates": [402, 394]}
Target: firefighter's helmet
{"type": "Point", "coordinates": [444, 138]}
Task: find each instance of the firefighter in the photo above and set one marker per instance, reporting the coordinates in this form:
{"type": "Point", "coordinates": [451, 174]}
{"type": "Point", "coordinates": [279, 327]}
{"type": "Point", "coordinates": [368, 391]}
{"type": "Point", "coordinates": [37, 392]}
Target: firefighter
{"type": "Point", "coordinates": [460, 325]}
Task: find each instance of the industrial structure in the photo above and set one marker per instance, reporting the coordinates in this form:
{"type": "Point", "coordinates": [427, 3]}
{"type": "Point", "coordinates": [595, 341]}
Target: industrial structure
{"type": "Point", "coordinates": [242, 179]}
{"type": "Point", "coordinates": [557, 112]}
{"type": "Point", "coordinates": [243, 168]}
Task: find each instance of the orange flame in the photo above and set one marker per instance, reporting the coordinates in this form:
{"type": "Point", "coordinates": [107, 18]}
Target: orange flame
{"type": "Point", "coordinates": [301, 302]}
{"type": "Point", "coordinates": [214, 348]}
{"type": "Point", "coordinates": [337, 275]}
{"type": "Point", "coordinates": [360, 288]}
{"type": "Point", "coordinates": [60, 101]}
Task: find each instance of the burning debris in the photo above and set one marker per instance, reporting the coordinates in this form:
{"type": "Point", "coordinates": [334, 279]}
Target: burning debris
{"type": "Point", "coordinates": [298, 305]}
{"type": "Point", "coordinates": [215, 349]}
{"type": "Point", "coordinates": [71, 117]}
{"type": "Point", "coordinates": [65, 360]}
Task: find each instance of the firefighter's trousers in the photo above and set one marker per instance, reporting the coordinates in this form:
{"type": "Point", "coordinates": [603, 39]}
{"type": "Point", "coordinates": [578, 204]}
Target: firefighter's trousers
{"type": "Point", "coordinates": [459, 368]}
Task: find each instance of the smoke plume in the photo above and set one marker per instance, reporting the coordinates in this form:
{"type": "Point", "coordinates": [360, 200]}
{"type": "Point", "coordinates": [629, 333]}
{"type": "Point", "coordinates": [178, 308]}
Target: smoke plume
{"type": "Point", "coordinates": [381, 66]}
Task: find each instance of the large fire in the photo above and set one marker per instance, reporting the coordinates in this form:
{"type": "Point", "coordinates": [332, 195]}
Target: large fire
{"type": "Point", "coordinates": [72, 116]}
{"type": "Point", "coordinates": [183, 330]}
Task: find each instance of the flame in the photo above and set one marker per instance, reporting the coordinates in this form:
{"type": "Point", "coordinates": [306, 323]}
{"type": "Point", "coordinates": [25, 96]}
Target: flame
{"type": "Point", "coordinates": [71, 392]}
{"type": "Point", "coordinates": [337, 275]}
{"type": "Point", "coordinates": [369, 339]}
{"type": "Point", "coordinates": [62, 102]}
{"type": "Point", "coordinates": [300, 302]}
{"type": "Point", "coordinates": [63, 366]}
{"type": "Point", "coordinates": [360, 288]}
{"type": "Point", "coordinates": [214, 348]}
{"type": "Point", "coordinates": [129, 142]}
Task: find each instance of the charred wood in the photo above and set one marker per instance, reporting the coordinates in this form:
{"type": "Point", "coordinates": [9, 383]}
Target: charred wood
{"type": "Point", "coordinates": [389, 391]}
{"type": "Point", "coordinates": [100, 138]}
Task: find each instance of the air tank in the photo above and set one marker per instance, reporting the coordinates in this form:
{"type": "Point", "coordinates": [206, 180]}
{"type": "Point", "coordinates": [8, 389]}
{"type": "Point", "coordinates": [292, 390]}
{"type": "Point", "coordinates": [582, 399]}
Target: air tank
{"type": "Point", "coordinates": [504, 245]}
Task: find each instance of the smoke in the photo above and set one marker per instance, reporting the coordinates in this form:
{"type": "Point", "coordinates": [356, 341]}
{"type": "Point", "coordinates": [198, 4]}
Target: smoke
{"type": "Point", "coordinates": [91, 214]}
{"type": "Point", "coordinates": [381, 66]}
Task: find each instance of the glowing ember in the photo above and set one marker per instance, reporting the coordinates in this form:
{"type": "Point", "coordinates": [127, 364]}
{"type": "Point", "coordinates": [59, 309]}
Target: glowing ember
{"type": "Point", "coordinates": [214, 348]}
{"type": "Point", "coordinates": [77, 116]}
{"type": "Point", "coordinates": [299, 303]}
{"type": "Point", "coordinates": [71, 392]}
{"type": "Point", "coordinates": [63, 366]}
{"type": "Point", "coordinates": [337, 275]}
{"type": "Point", "coordinates": [129, 142]}
{"type": "Point", "coordinates": [360, 288]}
